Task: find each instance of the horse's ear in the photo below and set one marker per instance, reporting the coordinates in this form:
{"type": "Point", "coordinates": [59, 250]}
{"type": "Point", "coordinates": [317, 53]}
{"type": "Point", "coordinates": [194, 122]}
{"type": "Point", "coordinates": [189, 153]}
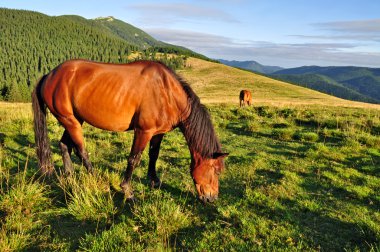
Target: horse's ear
{"type": "Point", "coordinates": [217, 155]}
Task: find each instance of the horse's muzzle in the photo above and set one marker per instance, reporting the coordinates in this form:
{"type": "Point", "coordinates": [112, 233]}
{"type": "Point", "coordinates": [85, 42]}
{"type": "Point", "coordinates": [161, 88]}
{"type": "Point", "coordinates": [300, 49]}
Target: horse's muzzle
{"type": "Point", "coordinates": [208, 198]}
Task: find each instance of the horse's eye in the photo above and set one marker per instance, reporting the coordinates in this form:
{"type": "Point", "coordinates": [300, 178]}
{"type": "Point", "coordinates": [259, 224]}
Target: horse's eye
{"type": "Point", "coordinates": [217, 170]}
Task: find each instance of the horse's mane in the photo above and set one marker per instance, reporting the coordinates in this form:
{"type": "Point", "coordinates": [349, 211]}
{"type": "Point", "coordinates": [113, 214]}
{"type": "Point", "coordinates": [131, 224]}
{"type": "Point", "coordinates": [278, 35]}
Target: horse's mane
{"type": "Point", "coordinates": [197, 127]}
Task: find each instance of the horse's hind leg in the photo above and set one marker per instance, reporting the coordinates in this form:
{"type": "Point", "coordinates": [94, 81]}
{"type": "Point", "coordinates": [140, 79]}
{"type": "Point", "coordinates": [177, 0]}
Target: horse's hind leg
{"type": "Point", "coordinates": [66, 146]}
{"type": "Point", "coordinates": [74, 128]}
{"type": "Point", "coordinates": [154, 150]}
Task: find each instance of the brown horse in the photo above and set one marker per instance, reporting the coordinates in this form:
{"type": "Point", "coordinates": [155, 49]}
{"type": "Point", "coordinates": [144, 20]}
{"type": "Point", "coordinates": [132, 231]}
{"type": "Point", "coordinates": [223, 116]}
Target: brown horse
{"type": "Point", "coordinates": [146, 97]}
{"type": "Point", "coordinates": [245, 98]}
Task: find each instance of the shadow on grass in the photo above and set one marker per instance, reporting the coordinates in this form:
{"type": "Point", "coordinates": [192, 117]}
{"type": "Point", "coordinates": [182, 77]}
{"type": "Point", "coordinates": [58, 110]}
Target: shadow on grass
{"type": "Point", "coordinates": [323, 189]}
{"type": "Point", "coordinates": [284, 149]}
{"type": "Point", "coordinates": [323, 232]}
{"type": "Point", "coordinates": [369, 164]}
{"type": "Point", "coordinates": [238, 129]}
{"type": "Point", "coordinates": [70, 230]}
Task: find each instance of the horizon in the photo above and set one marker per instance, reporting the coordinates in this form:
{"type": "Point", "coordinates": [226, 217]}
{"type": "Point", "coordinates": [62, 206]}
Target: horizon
{"type": "Point", "coordinates": [273, 33]}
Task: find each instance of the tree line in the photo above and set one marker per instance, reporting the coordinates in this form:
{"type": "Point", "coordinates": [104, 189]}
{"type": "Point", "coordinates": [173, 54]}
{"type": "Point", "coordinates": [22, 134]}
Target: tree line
{"type": "Point", "coordinates": [32, 44]}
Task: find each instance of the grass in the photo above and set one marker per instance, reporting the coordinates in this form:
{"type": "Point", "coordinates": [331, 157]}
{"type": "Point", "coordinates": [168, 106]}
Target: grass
{"type": "Point", "coordinates": [295, 178]}
{"type": "Point", "coordinates": [298, 178]}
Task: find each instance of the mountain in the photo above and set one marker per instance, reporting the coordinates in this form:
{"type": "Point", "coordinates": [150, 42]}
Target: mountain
{"type": "Point", "coordinates": [132, 35]}
{"type": "Point", "coordinates": [32, 44]}
{"type": "Point", "coordinates": [113, 26]}
{"type": "Point", "coordinates": [354, 83]}
{"type": "Point", "coordinates": [128, 32]}
{"type": "Point", "coordinates": [251, 65]}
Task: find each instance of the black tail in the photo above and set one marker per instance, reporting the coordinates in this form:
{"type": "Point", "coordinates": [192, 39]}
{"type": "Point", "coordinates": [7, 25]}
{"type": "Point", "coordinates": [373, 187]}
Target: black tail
{"type": "Point", "coordinates": [40, 131]}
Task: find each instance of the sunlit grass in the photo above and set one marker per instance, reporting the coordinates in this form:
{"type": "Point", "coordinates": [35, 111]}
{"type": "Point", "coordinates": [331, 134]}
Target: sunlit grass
{"type": "Point", "coordinates": [295, 178]}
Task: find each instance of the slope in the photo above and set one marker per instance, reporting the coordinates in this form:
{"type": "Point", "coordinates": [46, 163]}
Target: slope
{"type": "Point", "coordinates": [218, 83]}
{"type": "Point", "coordinates": [128, 32]}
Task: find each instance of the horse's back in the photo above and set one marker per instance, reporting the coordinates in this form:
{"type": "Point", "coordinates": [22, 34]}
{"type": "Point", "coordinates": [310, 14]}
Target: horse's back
{"type": "Point", "coordinates": [113, 96]}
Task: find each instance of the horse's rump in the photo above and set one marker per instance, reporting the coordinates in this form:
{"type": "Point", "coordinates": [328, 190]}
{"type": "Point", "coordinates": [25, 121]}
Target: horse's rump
{"type": "Point", "coordinates": [245, 97]}
{"type": "Point", "coordinates": [115, 97]}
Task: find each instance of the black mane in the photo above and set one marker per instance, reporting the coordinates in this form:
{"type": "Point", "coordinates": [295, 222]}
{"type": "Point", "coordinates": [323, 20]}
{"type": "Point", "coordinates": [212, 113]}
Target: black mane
{"type": "Point", "coordinates": [197, 127]}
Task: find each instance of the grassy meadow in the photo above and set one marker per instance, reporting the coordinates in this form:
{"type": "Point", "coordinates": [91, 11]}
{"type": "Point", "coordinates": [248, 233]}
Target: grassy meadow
{"type": "Point", "coordinates": [298, 178]}
{"type": "Point", "coordinates": [217, 83]}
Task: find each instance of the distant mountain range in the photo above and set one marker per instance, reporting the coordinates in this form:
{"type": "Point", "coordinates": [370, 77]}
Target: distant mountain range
{"type": "Point", "coordinates": [251, 65]}
{"type": "Point", "coordinates": [353, 83]}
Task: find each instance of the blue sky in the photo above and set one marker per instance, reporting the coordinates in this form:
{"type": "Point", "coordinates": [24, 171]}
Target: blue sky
{"type": "Point", "coordinates": [287, 33]}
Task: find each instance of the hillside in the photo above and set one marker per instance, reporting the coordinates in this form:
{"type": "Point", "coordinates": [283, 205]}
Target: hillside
{"type": "Point", "coordinates": [251, 65]}
{"type": "Point", "coordinates": [128, 32]}
{"type": "Point", "coordinates": [354, 83]}
{"type": "Point", "coordinates": [31, 44]}
{"type": "Point", "coordinates": [218, 83]}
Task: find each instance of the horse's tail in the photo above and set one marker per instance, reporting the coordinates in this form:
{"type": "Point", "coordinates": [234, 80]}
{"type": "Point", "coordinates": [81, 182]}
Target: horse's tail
{"type": "Point", "coordinates": [40, 131]}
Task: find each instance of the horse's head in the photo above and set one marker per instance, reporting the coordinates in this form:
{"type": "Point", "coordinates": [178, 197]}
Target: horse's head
{"type": "Point", "coordinates": [205, 173]}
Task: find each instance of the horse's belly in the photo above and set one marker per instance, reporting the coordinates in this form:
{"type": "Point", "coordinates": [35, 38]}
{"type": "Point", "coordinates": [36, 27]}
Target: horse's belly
{"type": "Point", "coordinates": [106, 117]}
{"type": "Point", "coordinates": [109, 122]}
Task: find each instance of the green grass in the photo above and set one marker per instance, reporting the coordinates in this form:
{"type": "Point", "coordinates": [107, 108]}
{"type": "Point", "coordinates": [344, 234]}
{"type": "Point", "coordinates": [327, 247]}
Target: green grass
{"type": "Point", "coordinates": [297, 179]}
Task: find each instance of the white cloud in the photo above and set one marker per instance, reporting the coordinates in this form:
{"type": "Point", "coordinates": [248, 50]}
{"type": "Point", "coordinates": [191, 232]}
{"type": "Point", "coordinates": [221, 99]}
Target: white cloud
{"type": "Point", "coordinates": [371, 26]}
{"type": "Point", "coordinates": [287, 55]}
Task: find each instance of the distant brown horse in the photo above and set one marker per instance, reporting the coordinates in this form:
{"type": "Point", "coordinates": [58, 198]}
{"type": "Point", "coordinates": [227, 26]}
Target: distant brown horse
{"type": "Point", "coordinates": [245, 98]}
{"type": "Point", "coordinates": [144, 96]}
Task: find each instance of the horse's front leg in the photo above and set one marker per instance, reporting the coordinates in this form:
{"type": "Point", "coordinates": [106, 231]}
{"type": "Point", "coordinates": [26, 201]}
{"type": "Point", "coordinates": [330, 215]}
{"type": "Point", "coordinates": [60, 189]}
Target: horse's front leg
{"type": "Point", "coordinates": [140, 140]}
{"type": "Point", "coordinates": [154, 150]}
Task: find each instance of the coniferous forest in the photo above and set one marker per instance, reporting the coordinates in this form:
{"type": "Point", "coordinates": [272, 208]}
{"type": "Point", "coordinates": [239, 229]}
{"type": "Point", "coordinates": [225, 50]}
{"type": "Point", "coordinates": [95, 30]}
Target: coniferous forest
{"type": "Point", "coordinates": [32, 44]}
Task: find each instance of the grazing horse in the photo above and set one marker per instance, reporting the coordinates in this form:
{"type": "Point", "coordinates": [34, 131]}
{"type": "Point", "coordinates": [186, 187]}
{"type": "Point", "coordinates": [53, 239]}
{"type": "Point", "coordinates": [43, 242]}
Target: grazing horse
{"type": "Point", "coordinates": [144, 96]}
{"type": "Point", "coordinates": [245, 98]}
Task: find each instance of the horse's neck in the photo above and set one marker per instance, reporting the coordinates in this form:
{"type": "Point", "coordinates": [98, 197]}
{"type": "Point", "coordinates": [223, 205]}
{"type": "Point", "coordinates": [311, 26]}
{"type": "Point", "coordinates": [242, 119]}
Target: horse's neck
{"type": "Point", "coordinates": [186, 130]}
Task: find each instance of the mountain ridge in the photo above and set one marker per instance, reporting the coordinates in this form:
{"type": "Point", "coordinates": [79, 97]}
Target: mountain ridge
{"type": "Point", "coordinates": [358, 83]}
{"type": "Point", "coordinates": [251, 65]}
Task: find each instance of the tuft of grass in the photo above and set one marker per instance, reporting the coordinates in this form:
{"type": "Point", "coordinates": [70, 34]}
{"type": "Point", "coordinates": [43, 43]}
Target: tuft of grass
{"type": "Point", "coordinates": [14, 241]}
{"type": "Point", "coordinates": [88, 197]}
{"type": "Point", "coordinates": [120, 237]}
{"type": "Point", "coordinates": [160, 217]}
{"type": "Point", "coordinates": [285, 134]}
{"type": "Point", "coordinates": [306, 136]}
{"type": "Point", "coordinates": [24, 204]}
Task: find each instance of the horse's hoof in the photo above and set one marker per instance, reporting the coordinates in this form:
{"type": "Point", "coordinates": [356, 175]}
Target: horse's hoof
{"type": "Point", "coordinates": [155, 183]}
{"type": "Point", "coordinates": [127, 189]}
{"type": "Point", "coordinates": [130, 199]}
{"type": "Point", "coordinates": [91, 170]}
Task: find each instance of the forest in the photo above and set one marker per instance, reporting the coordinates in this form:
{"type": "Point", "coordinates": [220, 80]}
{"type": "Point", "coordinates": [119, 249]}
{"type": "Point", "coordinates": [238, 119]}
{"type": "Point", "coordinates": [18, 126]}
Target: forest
{"type": "Point", "coordinates": [32, 44]}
